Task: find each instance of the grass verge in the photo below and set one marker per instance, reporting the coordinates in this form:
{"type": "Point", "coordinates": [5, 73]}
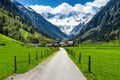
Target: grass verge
{"type": "Point", "coordinates": [105, 60]}
{"type": "Point", "coordinates": [10, 48]}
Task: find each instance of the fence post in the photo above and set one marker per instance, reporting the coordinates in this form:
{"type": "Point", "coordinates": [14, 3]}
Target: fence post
{"type": "Point", "coordinates": [80, 58]}
{"type": "Point", "coordinates": [15, 64]}
{"type": "Point", "coordinates": [47, 52]}
{"type": "Point", "coordinates": [36, 56]}
{"type": "Point", "coordinates": [29, 58]}
{"type": "Point", "coordinates": [41, 55]}
{"type": "Point", "coordinates": [74, 54]}
{"type": "Point", "coordinates": [44, 53]}
{"type": "Point", "coordinates": [68, 50]}
{"type": "Point", "coordinates": [89, 64]}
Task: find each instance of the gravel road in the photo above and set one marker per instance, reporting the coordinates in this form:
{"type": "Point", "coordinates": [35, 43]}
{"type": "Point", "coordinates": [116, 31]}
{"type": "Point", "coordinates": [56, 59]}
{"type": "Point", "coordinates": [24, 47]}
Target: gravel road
{"type": "Point", "coordinates": [59, 67]}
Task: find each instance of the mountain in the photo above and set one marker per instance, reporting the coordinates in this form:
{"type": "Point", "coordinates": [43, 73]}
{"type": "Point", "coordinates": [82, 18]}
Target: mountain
{"type": "Point", "coordinates": [67, 22]}
{"type": "Point", "coordinates": [104, 26]}
{"type": "Point", "coordinates": [10, 25]}
{"type": "Point", "coordinates": [28, 15]}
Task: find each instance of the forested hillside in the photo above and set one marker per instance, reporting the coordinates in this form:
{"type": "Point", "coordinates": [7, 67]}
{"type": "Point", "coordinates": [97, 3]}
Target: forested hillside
{"type": "Point", "coordinates": [10, 25]}
{"type": "Point", "coordinates": [28, 15]}
{"type": "Point", "coordinates": [104, 26]}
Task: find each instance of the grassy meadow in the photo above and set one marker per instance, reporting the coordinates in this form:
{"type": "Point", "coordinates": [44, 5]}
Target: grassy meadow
{"type": "Point", "coordinates": [10, 48]}
{"type": "Point", "coordinates": [105, 60]}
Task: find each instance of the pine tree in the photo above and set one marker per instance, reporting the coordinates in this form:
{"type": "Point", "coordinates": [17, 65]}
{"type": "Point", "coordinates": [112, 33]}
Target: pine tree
{"type": "Point", "coordinates": [3, 19]}
{"type": "Point", "coordinates": [6, 32]}
{"type": "Point", "coordinates": [1, 27]}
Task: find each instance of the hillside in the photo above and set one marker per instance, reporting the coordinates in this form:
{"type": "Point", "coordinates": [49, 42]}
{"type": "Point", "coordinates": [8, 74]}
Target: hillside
{"type": "Point", "coordinates": [104, 26]}
{"type": "Point", "coordinates": [10, 25]}
{"type": "Point", "coordinates": [65, 21]}
{"type": "Point", "coordinates": [28, 15]}
{"type": "Point", "coordinates": [10, 48]}
{"type": "Point", "coordinates": [105, 59]}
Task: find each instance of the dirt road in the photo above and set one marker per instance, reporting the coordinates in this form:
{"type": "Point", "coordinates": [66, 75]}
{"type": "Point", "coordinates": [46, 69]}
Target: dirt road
{"type": "Point", "coordinates": [60, 67]}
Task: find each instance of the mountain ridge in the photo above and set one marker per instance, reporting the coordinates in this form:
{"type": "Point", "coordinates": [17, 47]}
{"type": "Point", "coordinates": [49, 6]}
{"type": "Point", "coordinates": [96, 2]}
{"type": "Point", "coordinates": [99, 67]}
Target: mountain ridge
{"type": "Point", "coordinates": [35, 19]}
{"type": "Point", "coordinates": [104, 26]}
{"type": "Point", "coordinates": [11, 26]}
{"type": "Point", "coordinates": [67, 22]}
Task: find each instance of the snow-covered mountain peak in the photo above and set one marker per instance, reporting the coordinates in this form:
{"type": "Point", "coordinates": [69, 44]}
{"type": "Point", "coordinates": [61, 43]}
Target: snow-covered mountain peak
{"type": "Point", "coordinates": [67, 17]}
{"type": "Point", "coordinates": [67, 22]}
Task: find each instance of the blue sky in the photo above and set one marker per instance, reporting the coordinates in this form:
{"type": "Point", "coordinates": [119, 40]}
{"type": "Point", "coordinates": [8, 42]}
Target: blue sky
{"type": "Point", "coordinates": [53, 3]}
{"type": "Point", "coordinates": [64, 6]}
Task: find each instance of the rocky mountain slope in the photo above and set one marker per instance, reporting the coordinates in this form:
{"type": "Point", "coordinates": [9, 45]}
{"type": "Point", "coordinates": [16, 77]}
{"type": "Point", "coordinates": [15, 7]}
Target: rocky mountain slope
{"type": "Point", "coordinates": [104, 26]}
{"type": "Point", "coordinates": [10, 25]}
{"type": "Point", "coordinates": [67, 22]}
{"type": "Point", "coordinates": [28, 15]}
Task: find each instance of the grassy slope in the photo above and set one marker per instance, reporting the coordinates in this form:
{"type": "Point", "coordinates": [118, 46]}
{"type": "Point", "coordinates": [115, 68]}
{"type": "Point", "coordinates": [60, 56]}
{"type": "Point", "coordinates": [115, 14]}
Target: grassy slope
{"type": "Point", "coordinates": [42, 38]}
{"type": "Point", "coordinates": [16, 29]}
{"type": "Point", "coordinates": [105, 60]}
{"type": "Point", "coordinates": [15, 48]}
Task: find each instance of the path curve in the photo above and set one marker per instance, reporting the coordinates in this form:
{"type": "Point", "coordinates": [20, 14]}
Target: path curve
{"type": "Point", "coordinates": [60, 67]}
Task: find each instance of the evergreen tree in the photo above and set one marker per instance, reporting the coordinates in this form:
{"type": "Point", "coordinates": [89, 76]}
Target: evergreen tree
{"type": "Point", "coordinates": [6, 32]}
{"type": "Point", "coordinates": [3, 19]}
{"type": "Point", "coordinates": [1, 27]}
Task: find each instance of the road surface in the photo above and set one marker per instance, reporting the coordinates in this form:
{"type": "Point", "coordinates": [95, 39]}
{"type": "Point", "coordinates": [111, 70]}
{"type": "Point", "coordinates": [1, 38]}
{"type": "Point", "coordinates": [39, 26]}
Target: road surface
{"type": "Point", "coordinates": [59, 67]}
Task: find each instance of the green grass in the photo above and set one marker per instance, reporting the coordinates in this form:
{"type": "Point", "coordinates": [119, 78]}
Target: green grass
{"type": "Point", "coordinates": [25, 34]}
{"type": "Point", "coordinates": [105, 60]}
{"type": "Point", "coordinates": [14, 28]}
{"type": "Point", "coordinates": [10, 48]}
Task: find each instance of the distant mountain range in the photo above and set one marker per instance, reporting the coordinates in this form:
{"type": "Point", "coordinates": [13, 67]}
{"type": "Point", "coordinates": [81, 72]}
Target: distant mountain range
{"type": "Point", "coordinates": [12, 26]}
{"type": "Point", "coordinates": [68, 22]}
{"type": "Point", "coordinates": [28, 15]}
{"type": "Point", "coordinates": [104, 26]}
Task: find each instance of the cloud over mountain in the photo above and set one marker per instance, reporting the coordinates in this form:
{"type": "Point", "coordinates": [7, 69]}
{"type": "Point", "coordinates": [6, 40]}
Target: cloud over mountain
{"type": "Point", "coordinates": [66, 17]}
{"type": "Point", "coordinates": [65, 8]}
{"type": "Point", "coordinates": [97, 3]}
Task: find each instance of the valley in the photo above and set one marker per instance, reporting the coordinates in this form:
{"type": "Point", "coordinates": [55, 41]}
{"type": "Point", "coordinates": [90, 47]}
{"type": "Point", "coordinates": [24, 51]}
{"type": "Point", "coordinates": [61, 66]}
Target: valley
{"type": "Point", "coordinates": [104, 60]}
{"type": "Point", "coordinates": [10, 48]}
{"type": "Point", "coordinates": [87, 35]}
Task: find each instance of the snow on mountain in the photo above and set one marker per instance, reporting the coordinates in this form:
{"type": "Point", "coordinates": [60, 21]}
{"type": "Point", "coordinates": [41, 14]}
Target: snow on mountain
{"type": "Point", "coordinates": [65, 16]}
{"type": "Point", "coordinates": [28, 15]}
{"type": "Point", "coordinates": [66, 23]}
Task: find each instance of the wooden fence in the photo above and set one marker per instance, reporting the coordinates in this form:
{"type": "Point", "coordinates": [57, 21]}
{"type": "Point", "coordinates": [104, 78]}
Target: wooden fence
{"type": "Point", "coordinates": [37, 57]}
{"type": "Point", "coordinates": [73, 54]}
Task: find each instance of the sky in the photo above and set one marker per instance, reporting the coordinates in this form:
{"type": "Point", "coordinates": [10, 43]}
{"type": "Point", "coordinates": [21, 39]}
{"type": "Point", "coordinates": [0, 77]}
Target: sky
{"type": "Point", "coordinates": [53, 3]}
{"type": "Point", "coordinates": [64, 6]}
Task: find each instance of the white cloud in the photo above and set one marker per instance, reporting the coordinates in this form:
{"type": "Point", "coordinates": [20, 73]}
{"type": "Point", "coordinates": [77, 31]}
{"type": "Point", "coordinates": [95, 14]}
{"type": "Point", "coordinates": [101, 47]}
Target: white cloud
{"type": "Point", "coordinates": [97, 3]}
{"type": "Point", "coordinates": [79, 8]}
{"type": "Point", "coordinates": [69, 22]}
{"type": "Point", "coordinates": [41, 8]}
{"type": "Point", "coordinates": [89, 9]}
{"type": "Point", "coordinates": [65, 8]}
